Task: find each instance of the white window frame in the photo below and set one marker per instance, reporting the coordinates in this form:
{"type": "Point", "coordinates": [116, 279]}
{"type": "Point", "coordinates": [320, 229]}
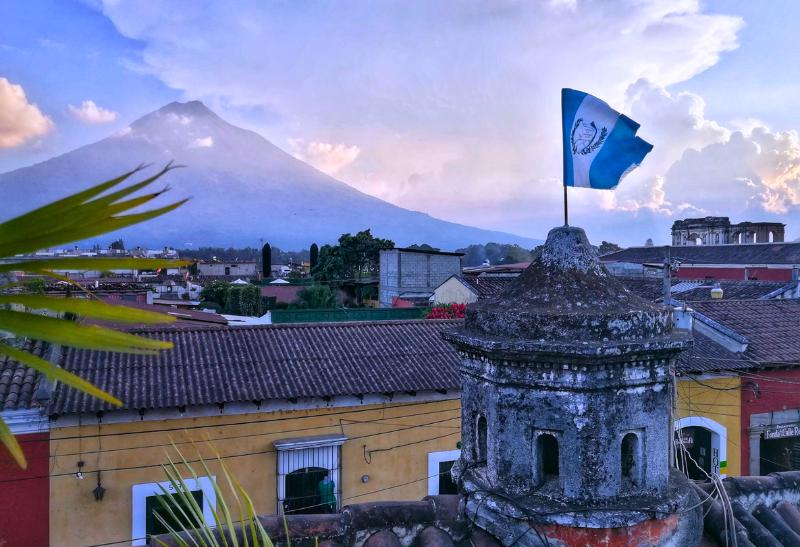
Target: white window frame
{"type": "Point", "coordinates": [434, 459]}
{"type": "Point", "coordinates": [143, 491]}
{"type": "Point", "coordinates": [294, 450]}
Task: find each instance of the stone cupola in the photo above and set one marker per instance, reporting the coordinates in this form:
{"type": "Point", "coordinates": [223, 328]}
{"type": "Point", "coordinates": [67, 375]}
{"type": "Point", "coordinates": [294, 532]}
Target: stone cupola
{"type": "Point", "coordinates": [566, 406]}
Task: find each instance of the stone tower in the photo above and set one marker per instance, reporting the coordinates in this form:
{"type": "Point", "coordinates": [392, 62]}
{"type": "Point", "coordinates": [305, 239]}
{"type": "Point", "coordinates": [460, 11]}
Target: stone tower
{"type": "Point", "coordinates": [566, 409]}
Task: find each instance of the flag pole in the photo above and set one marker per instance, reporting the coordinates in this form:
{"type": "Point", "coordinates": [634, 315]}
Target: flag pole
{"type": "Point", "coordinates": [566, 217]}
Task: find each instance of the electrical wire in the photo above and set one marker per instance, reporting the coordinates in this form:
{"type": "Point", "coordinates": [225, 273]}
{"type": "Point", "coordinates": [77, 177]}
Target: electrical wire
{"type": "Point", "coordinates": [377, 421]}
{"type": "Point", "coordinates": [225, 456]}
{"type": "Point", "coordinates": [386, 406]}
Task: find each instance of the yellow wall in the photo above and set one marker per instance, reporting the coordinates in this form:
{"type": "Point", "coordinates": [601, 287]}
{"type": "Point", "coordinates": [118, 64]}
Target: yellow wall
{"type": "Point", "coordinates": [76, 519]}
{"type": "Point", "coordinates": [716, 399]}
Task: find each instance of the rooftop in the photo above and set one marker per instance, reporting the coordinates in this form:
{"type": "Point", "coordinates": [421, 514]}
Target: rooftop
{"type": "Point", "coordinates": [770, 326]}
{"type": "Point", "coordinates": [753, 253]}
{"type": "Point", "coordinates": [18, 382]}
{"type": "Point", "coordinates": [242, 364]}
{"type": "Point", "coordinates": [566, 295]}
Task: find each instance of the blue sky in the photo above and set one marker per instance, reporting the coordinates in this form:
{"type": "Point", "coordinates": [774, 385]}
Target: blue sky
{"type": "Point", "coordinates": [451, 109]}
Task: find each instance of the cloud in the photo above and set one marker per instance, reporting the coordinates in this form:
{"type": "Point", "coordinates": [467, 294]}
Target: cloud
{"type": "Point", "coordinates": [20, 121]}
{"type": "Point", "coordinates": [454, 105]}
{"type": "Point", "coordinates": [203, 142]}
{"type": "Point", "coordinates": [89, 112]}
{"type": "Point", "coordinates": [328, 158]}
{"type": "Point", "coordinates": [754, 175]}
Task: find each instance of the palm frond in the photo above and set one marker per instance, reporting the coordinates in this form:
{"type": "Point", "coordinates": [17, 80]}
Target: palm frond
{"type": "Point", "coordinates": [91, 212]}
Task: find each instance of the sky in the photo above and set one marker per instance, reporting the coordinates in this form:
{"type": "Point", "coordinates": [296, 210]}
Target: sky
{"type": "Point", "coordinates": [451, 108]}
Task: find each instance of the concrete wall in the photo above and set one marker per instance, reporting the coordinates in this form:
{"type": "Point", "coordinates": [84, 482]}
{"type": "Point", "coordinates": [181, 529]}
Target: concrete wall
{"type": "Point", "coordinates": [717, 402]}
{"type": "Point", "coordinates": [409, 271]}
{"type": "Point", "coordinates": [131, 453]}
{"type": "Point", "coordinates": [233, 268]}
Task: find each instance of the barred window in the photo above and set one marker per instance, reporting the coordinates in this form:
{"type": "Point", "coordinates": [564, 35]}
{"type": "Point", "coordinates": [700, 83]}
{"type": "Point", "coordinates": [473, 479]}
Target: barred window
{"type": "Point", "coordinates": [309, 474]}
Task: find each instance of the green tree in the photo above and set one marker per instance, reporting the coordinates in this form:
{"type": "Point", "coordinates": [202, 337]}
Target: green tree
{"type": "Point", "coordinates": [249, 300]}
{"type": "Point", "coordinates": [330, 267]}
{"type": "Point", "coordinates": [216, 291]}
{"type": "Point", "coordinates": [233, 300]}
{"type": "Point", "coordinates": [35, 285]}
{"type": "Point", "coordinates": [266, 260]}
{"type": "Point", "coordinates": [354, 257]}
{"type": "Point", "coordinates": [606, 248]}
{"type": "Point", "coordinates": [422, 247]}
{"type": "Point", "coordinates": [90, 213]}
{"type": "Point", "coordinates": [313, 255]}
{"type": "Point", "coordinates": [117, 245]}
{"type": "Point", "coordinates": [315, 297]}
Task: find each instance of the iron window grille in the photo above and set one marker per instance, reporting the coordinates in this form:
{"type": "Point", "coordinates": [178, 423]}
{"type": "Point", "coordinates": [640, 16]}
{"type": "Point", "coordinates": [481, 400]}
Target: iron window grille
{"type": "Point", "coordinates": [309, 474]}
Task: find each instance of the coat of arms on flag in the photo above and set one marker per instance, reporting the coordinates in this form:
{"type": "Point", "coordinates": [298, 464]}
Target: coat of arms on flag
{"type": "Point", "coordinates": [600, 144]}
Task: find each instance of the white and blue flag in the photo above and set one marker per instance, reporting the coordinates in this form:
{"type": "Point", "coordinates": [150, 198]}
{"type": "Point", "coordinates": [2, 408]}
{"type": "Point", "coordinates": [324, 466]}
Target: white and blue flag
{"type": "Point", "coordinates": [600, 144]}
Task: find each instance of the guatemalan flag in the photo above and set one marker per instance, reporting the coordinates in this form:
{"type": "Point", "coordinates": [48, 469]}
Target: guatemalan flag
{"type": "Point", "coordinates": [600, 144]}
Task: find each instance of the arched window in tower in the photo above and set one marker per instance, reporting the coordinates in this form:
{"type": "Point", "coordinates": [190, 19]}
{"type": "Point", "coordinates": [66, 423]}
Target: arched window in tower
{"type": "Point", "coordinates": [481, 430]}
{"type": "Point", "coordinates": [630, 460]}
{"type": "Point", "coordinates": [547, 447]}
{"type": "Point", "coordinates": [772, 237]}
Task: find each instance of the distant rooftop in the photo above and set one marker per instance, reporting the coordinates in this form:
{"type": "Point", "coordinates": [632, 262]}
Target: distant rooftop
{"type": "Point", "coordinates": [753, 253]}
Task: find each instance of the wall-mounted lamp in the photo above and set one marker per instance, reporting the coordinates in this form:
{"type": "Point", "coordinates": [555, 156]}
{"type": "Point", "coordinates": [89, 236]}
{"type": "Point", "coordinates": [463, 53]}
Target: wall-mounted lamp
{"type": "Point", "coordinates": [79, 472]}
{"type": "Point", "coordinates": [99, 491]}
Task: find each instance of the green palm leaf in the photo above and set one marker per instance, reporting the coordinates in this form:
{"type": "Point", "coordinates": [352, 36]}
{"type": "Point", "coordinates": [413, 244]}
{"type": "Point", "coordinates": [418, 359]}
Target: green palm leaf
{"type": "Point", "coordinates": [68, 333]}
{"type": "Point", "coordinates": [73, 263]}
{"type": "Point", "coordinates": [93, 309]}
{"type": "Point", "coordinates": [56, 373]}
{"type": "Point", "coordinates": [89, 213]}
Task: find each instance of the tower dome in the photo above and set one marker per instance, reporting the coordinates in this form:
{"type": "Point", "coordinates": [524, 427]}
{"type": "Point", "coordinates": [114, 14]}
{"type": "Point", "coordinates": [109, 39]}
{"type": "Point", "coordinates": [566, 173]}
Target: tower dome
{"type": "Point", "coordinates": [566, 404]}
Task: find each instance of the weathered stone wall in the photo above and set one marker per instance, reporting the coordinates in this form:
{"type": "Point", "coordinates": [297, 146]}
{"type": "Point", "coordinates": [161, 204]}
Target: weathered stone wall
{"type": "Point", "coordinates": [589, 409]}
{"type": "Point", "coordinates": [720, 231]}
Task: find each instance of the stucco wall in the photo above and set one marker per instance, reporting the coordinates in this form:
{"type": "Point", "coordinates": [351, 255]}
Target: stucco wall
{"type": "Point", "coordinates": [718, 400]}
{"type": "Point", "coordinates": [23, 500]}
{"type": "Point", "coordinates": [453, 291]}
{"type": "Point", "coordinates": [405, 433]}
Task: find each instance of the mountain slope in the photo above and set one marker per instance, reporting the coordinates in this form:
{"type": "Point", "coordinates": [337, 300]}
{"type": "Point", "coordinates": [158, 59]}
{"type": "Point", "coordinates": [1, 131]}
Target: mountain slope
{"type": "Point", "coordinates": [243, 188]}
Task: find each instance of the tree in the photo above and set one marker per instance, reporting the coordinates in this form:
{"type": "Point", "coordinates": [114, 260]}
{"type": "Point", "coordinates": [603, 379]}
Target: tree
{"type": "Point", "coordinates": [233, 300]}
{"type": "Point", "coordinates": [266, 260]}
{"type": "Point", "coordinates": [249, 300]}
{"type": "Point", "coordinates": [35, 285]}
{"type": "Point", "coordinates": [84, 215]}
{"type": "Point", "coordinates": [314, 255]}
{"type": "Point", "coordinates": [353, 257]}
{"type": "Point", "coordinates": [216, 291]}
{"type": "Point", "coordinates": [117, 245]}
{"type": "Point", "coordinates": [422, 247]}
{"type": "Point", "coordinates": [495, 253]}
{"type": "Point", "coordinates": [649, 242]}
{"type": "Point", "coordinates": [607, 247]}
{"type": "Point", "coordinates": [315, 297]}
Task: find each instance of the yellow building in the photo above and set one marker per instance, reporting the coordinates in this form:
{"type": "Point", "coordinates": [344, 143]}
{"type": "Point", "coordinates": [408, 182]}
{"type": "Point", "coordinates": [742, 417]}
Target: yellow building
{"type": "Point", "coordinates": [372, 408]}
{"type": "Point", "coordinates": [709, 421]}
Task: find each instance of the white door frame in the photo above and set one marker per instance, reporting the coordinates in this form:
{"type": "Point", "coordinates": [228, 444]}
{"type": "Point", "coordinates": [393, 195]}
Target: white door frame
{"type": "Point", "coordinates": [719, 438]}
{"type": "Point", "coordinates": [434, 459]}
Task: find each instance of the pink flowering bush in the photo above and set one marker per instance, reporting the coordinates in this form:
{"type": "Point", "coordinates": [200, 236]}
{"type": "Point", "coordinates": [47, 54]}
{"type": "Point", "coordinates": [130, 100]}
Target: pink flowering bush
{"type": "Point", "coordinates": [447, 311]}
